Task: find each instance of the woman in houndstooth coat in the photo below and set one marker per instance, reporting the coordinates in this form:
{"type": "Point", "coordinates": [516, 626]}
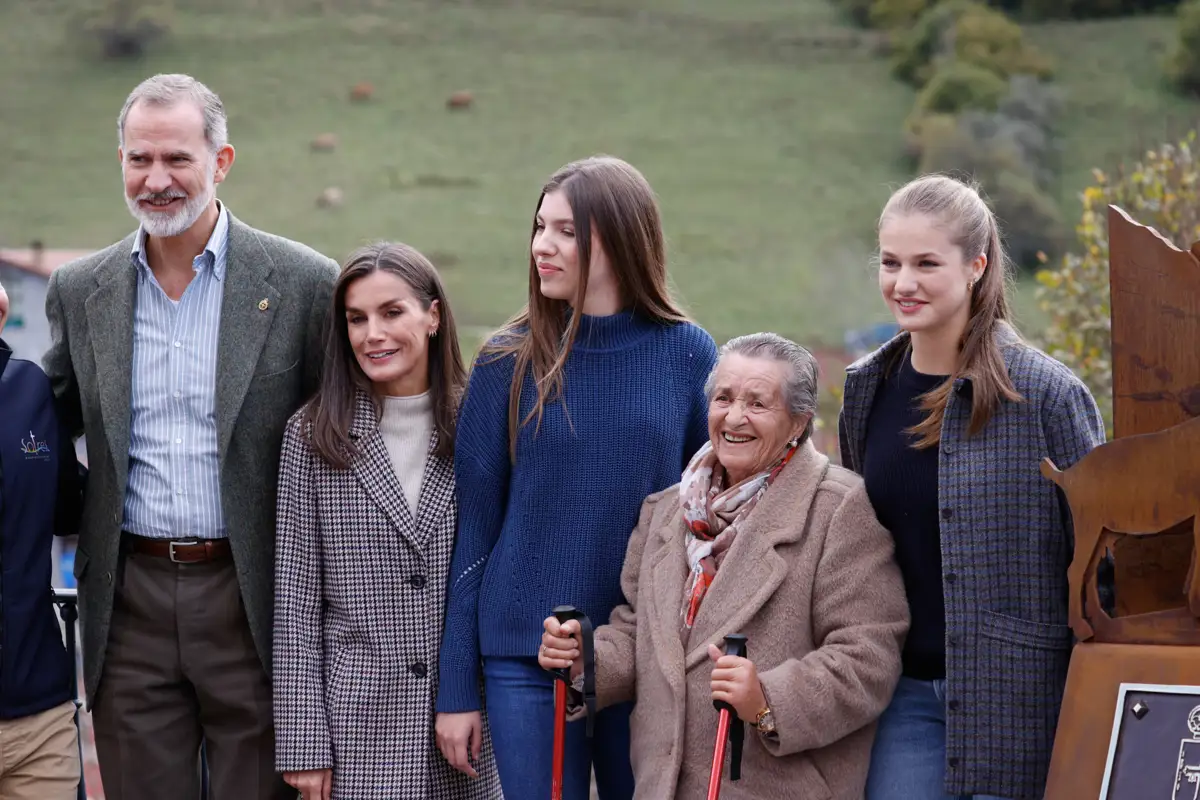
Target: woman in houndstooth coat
{"type": "Point", "coordinates": [366, 525]}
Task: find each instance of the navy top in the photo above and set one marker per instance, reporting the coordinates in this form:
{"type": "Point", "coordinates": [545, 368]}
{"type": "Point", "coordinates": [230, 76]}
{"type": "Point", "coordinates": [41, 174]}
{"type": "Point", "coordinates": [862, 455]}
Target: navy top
{"type": "Point", "coordinates": [902, 483]}
{"type": "Point", "coordinates": [553, 527]}
{"type": "Point", "coordinates": [40, 495]}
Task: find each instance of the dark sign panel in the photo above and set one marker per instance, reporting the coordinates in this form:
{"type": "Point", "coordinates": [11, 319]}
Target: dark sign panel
{"type": "Point", "coordinates": [1154, 751]}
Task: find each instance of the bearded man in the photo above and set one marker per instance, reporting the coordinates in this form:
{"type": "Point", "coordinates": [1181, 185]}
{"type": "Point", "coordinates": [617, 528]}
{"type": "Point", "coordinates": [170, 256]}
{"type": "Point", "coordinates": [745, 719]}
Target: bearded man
{"type": "Point", "coordinates": [180, 352]}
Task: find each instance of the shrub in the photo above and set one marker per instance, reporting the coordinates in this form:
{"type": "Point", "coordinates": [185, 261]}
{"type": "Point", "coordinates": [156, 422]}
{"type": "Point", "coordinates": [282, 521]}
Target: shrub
{"type": "Point", "coordinates": [992, 40]}
{"type": "Point", "coordinates": [1162, 191]}
{"type": "Point", "coordinates": [957, 86]}
{"type": "Point", "coordinates": [966, 31]}
{"type": "Point", "coordinates": [859, 11]}
{"type": "Point", "coordinates": [125, 28]}
{"type": "Point", "coordinates": [1085, 9]}
{"type": "Point", "coordinates": [1023, 125]}
{"type": "Point", "coordinates": [1032, 150]}
{"type": "Point", "coordinates": [895, 14]}
{"type": "Point", "coordinates": [1183, 64]}
{"type": "Point", "coordinates": [1031, 220]}
{"type": "Point", "coordinates": [924, 130]}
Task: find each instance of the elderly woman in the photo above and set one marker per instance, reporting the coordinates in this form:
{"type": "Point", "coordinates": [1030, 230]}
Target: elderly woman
{"type": "Point", "coordinates": [763, 536]}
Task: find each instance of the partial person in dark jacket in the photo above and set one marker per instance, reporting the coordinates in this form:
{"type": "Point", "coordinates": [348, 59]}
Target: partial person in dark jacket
{"type": "Point", "coordinates": [40, 496]}
{"type": "Point", "coordinates": [947, 424]}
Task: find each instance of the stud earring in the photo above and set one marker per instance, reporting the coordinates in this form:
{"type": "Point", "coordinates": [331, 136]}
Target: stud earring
{"type": "Point", "coordinates": [971, 285]}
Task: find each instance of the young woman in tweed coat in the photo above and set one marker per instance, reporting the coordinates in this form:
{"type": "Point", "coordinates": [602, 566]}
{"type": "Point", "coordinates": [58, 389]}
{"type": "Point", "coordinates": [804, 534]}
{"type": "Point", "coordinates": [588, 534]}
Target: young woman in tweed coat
{"type": "Point", "coordinates": [947, 424]}
{"type": "Point", "coordinates": [366, 527]}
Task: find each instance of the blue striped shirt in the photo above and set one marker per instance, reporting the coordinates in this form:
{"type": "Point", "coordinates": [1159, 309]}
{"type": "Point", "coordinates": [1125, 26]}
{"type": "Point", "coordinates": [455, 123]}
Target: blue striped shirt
{"type": "Point", "coordinates": [174, 490]}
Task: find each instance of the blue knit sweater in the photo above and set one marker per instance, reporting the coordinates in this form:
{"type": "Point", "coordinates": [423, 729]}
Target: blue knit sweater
{"type": "Point", "coordinates": [553, 528]}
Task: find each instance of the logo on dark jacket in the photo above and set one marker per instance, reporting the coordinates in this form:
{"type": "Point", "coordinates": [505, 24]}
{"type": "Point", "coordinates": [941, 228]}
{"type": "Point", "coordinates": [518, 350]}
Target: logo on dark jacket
{"type": "Point", "coordinates": [35, 448]}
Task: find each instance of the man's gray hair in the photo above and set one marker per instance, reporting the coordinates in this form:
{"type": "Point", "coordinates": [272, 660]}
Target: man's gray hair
{"type": "Point", "coordinates": [167, 90]}
{"type": "Point", "coordinates": [800, 383]}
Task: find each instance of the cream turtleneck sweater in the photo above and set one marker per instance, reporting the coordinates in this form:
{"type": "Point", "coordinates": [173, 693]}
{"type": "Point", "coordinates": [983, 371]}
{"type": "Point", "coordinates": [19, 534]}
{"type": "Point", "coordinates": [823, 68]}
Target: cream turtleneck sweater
{"type": "Point", "coordinates": [407, 426]}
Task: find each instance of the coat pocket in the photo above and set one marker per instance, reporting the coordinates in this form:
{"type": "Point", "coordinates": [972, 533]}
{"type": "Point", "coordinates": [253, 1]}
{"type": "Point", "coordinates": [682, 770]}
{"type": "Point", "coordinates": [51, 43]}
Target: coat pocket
{"type": "Point", "coordinates": [1015, 693]}
{"type": "Point", "coordinates": [818, 788]}
{"type": "Point", "coordinates": [275, 373]}
{"type": "Point", "coordinates": [1013, 630]}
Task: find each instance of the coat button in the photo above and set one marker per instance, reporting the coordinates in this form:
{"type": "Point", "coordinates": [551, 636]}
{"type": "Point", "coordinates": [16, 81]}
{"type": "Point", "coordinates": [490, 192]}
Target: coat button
{"type": "Point", "coordinates": [952, 705]}
{"type": "Point", "coordinates": [417, 581]}
{"type": "Point", "coordinates": [953, 761]}
{"type": "Point", "coordinates": [108, 577]}
{"type": "Point", "coordinates": [947, 513]}
{"type": "Point", "coordinates": [419, 670]}
{"type": "Point", "coordinates": [951, 577]}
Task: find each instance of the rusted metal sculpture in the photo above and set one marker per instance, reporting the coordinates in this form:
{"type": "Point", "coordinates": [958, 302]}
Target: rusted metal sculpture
{"type": "Point", "coordinates": [1133, 486]}
{"type": "Point", "coordinates": [1130, 721]}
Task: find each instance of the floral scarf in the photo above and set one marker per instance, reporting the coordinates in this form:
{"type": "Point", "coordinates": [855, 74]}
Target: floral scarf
{"type": "Point", "coordinates": [712, 515]}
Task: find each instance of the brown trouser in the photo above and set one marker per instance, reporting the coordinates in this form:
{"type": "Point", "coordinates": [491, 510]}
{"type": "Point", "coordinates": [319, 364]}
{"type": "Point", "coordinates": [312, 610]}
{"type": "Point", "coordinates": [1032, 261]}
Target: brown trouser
{"type": "Point", "coordinates": [39, 755]}
{"type": "Point", "coordinates": [181, 667]}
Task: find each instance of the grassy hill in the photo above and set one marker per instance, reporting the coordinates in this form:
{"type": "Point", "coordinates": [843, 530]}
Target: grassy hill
{"type": "Point", "coordinates": [769, 128]}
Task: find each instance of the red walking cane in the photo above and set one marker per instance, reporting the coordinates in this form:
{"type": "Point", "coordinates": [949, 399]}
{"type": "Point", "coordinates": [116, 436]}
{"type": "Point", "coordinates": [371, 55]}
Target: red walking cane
{"type": "Point", "coordinates": [729, 726]}
{"type": "Point", "coordinates": [562, 677]}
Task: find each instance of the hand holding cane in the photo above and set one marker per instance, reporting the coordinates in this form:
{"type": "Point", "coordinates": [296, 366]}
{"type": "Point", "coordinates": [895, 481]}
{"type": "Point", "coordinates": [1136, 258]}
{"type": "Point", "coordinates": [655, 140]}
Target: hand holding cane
{"type": "Point", "coordinates": [729, 726]}
{"type": "Point", "coordinates": [562, 678]}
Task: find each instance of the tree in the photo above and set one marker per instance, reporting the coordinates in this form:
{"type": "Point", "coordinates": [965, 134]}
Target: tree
{"type": "Point", "coordinates": [125, 28]}
{"type": "Point", "coordinates": [1162, 191]}
{"type": "Point", "coordinates": [1182, 64]}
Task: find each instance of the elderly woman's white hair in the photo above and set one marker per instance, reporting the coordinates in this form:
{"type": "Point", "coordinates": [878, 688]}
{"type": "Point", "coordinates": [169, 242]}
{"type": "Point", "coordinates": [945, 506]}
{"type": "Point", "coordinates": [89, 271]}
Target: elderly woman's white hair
{"type": "Point", "coordinates": [800, 384]}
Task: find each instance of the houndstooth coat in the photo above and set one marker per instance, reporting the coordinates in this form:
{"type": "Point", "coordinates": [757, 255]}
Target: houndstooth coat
{"type": "Point", "coordinates": [359, 605]}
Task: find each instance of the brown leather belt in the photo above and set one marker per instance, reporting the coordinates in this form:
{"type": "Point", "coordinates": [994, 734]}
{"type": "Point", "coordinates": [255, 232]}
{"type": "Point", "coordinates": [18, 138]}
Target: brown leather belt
{"type": "Point", "coordinates": [191, 551]}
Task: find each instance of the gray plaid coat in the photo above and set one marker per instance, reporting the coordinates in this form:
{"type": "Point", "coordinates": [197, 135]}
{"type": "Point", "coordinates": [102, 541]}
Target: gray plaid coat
{"type": "Point", "coordinates": [359, 605]}
{"type": "Point", "coordinates": [1006, 544]}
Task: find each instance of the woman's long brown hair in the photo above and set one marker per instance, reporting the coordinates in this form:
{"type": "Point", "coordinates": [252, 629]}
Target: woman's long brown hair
{"type": "Point", "coordinates": [972, 227]}
{"type": "Point", "coordinates": [611, 198]}
{"type": "Point", "coordinates": [331, 410]}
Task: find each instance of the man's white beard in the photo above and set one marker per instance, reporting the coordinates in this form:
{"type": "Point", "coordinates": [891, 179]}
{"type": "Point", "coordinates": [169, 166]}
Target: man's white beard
{"type": "Point", "coordinates": [163, 225]}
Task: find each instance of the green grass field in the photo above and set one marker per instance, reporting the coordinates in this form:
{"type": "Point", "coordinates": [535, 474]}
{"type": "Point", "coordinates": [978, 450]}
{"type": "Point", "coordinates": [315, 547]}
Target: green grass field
{"type": "Point", "coordinates": [771, 139]}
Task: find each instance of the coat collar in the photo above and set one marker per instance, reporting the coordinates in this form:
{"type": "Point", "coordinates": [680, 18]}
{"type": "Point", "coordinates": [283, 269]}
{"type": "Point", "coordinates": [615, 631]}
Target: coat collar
{"type": "Point", "coordinates": [750, 573]}
{"type": "Point", "coordinates": [862, 381]}
{"type": "Point", "coordinates": [248, 307]}
{"type": "Point", "coordinates": [372, 468]}
{"type": "Point", "coordinates": [109, 310]}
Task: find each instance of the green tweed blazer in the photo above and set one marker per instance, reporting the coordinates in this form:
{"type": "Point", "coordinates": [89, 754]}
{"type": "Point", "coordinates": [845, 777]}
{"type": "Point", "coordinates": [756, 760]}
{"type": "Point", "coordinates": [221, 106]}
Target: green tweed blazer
{"type": "Point", "coordinates": [269, 358]}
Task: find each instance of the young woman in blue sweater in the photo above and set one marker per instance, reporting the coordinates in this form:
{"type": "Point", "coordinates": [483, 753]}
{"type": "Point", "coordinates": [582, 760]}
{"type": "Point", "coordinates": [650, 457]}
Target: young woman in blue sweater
{"type": "Point", "coordinates": [585, 402]}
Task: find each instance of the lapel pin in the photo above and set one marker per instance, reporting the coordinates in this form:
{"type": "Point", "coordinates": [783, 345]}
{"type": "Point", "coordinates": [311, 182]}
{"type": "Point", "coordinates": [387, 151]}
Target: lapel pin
{"type": "Point", "coordinates": [263, 304]}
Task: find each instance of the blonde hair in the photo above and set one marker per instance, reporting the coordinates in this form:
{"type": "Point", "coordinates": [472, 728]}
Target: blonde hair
{"type": "Point", "coordinates": [972, 227]}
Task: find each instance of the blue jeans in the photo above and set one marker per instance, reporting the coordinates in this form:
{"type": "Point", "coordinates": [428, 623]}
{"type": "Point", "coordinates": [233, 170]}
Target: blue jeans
{"type": "Point", "coordinates": [908, 760]}
{"type": "Point", "coordinates": [520, 707]}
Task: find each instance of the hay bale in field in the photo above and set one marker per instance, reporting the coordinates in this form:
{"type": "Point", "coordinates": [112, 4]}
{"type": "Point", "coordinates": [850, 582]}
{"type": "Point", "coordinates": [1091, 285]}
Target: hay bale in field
{"type": "Point", "coordinates": [331, 197]}
{"type": "Point", "coordinates": [325, 143]}
{"type": "Point", "coordinates": [460, 100]}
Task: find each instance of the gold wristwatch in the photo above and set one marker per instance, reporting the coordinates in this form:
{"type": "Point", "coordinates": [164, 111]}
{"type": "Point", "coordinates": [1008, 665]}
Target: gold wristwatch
{"type": "Point", "coordinates": [765, 722]}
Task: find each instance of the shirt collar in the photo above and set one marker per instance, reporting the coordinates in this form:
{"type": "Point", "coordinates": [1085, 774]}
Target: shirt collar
{"type": "Point", "coordinates": [213, 254]}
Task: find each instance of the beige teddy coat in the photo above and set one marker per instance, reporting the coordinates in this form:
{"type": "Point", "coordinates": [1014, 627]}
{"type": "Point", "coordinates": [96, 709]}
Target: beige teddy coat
{"type": "Point", "coordinates": [811, 581]}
